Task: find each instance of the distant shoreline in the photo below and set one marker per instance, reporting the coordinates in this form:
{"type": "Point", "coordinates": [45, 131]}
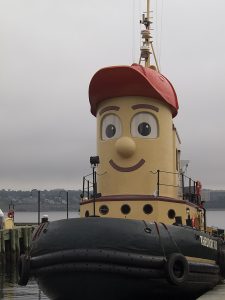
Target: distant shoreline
{"type": "Point", "coordinates": [215, 209]}
{"type": "Point", "coordinates": [43, 211]}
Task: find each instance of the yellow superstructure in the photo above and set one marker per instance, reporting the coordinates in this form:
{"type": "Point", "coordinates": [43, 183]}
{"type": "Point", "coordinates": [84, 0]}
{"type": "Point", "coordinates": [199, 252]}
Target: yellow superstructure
{"type": "Point", "coordinates": [139, 172]}
{"type": "Point", "coordinates": [127, 148]}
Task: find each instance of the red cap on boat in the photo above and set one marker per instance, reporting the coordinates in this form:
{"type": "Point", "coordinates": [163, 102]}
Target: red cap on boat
{"type": "Point", "coordinates": [135, 80]}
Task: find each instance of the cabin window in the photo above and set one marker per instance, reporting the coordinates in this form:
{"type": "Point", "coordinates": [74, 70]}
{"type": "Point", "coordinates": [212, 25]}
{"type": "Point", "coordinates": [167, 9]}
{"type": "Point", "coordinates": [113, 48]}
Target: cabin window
{"type": "Point", "coordinates": [103, 209]}
{"type": "Point", "coordinates": [171, 213]}
{"type": "Point", "coordinates": [144, 125]}
{"type": "Point", "coordinates": [125, 209]}
{"type": "Point", "coordinates": [111, 127]}
{"type": "Point", "coordinates": [148, 209]}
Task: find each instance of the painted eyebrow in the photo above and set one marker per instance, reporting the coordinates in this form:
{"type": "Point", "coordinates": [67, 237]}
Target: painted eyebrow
{"type": "Point", "coordinates": [146, 106]}
{"type": "Point", "coordinates": [107, 108]}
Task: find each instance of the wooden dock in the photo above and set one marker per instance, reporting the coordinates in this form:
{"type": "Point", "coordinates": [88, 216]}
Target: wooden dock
{"type": "Point", "coordinates": [16, 240]}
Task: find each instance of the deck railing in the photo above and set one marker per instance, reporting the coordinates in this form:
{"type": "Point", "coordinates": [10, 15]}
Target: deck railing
{"type": "Point", "coordinates": [87, 185]}
{"type": "Point", "coordinates": [186, 186]}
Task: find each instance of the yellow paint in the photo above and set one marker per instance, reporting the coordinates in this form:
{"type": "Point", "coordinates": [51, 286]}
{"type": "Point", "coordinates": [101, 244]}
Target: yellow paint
{"type": "Point", "coordinates": [8, 223]}
{"type": "Point", "coordinates": [124, 149]}
{"type": "Point", "coordinates": [127, 151]}
{"type": "Point", "coordinates": [159, 212]}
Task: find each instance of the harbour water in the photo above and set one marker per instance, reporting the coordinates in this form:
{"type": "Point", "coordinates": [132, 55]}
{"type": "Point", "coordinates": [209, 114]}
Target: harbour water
{"type": "Point", "coordinates": [10, 290]}
{"type": "Point", "coordinates": [32, 217]}
{"type": "Point", "coordinates": [216, 218]}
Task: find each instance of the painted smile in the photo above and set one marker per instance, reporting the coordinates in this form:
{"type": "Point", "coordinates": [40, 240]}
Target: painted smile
{"type": "Point", "coordinates": [126, 169]}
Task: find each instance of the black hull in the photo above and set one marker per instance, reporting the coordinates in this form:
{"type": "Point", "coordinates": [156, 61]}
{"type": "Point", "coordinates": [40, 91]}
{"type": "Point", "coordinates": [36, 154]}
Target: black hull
{"type": "Point", "coordinates": [115, 287]}
{"type": "Point", "coordinates": [100, 258]}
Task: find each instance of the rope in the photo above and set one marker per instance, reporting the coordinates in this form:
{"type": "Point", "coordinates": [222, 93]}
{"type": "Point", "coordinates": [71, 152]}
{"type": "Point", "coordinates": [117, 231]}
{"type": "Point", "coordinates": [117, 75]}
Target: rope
{"type": "Point", "coordinates": [101, 173]}
{"type": "Point", "coordinates": [171, 237]}
{"type": "Point", "coordinates": [160, 240]}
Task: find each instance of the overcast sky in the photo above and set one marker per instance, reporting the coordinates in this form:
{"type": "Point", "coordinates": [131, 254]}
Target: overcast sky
{"type": "Point", "coordinates": [49, 50]}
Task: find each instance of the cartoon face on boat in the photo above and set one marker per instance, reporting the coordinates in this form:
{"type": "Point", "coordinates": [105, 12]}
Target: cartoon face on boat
{"type": "Point", "coordinates": [134, 129]}
{"type": "Point", "coordinates": [123, 124]}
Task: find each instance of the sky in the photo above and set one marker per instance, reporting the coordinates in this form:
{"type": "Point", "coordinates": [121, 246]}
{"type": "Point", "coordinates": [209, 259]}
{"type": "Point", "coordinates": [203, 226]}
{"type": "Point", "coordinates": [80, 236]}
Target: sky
{"type": "Point", "coordinates": [49, 51]}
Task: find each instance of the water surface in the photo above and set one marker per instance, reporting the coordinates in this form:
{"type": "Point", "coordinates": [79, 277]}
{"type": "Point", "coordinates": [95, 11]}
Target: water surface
{"type": "Point", "coordinates": [10, 290]}
{"type": "Point", "coordinates": [215, 218]}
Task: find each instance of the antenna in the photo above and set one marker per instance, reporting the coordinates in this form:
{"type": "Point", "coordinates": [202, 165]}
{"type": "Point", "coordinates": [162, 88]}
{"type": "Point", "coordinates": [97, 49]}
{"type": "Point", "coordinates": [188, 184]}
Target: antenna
{"type": "Point", "coordinates": [147, 46]}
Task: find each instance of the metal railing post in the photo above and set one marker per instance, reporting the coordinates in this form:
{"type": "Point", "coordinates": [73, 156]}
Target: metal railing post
{"type": "Point", "coordinates": [88, 191]}
{"type": "Point", "coordinates": [194, 187]}
{"type": "Point", "coordinates": [182, 179]}
{"type": "Point", "coordinates": [94, 195]}
{"type": "Point", "coordinates": [67, 204]}
{"type": "Point", "coordinates": [83, 187]}
{"type": "Point", "coordinates": [190, 189]}
{"type": "Point", "coordinates": [39, 207]}
{"type": "Point", "coordinates": [158, 171]}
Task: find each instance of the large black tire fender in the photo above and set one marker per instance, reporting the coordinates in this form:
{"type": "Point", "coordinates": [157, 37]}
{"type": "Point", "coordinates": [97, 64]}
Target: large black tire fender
{"type": "Point", "coordinates": [24, 269]}
{"type": "Point", "coordinates": [177, 268]}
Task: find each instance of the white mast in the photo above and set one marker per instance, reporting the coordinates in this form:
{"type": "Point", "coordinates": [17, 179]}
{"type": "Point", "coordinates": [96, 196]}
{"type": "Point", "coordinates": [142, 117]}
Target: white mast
{"type": "Point", "coordinates": [147, 43]}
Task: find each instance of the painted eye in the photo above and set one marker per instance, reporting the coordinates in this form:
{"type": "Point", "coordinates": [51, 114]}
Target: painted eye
{"type": "Point", "coordinates": [144, 129]}
{"type": "Point", "coordinates": [110, 131]}
{"type": "Point", "coordinates": [144, 125]}
{"type": "Point", "coordinates": [111, 127]}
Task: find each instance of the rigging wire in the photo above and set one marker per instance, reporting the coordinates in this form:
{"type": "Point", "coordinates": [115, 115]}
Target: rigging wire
{"type": "Point", "coordinates": [156, 34]}
{"type": "Point", "coordinates": [133, 31]}
{"type": "Point", "coordinates": [140, 38]}
{"type": "Point", "coordinates": [161, 33]}
{"type": "Point", "coordinates": [157, 29]}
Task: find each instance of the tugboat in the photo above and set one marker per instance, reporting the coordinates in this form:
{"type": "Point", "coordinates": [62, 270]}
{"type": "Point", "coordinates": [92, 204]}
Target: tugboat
{"type": "Point", "coordinates": [142, 228]}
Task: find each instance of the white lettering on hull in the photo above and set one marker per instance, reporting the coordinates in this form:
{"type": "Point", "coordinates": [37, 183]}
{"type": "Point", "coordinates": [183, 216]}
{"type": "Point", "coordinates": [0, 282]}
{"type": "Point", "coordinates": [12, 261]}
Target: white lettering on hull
{"type": "Point", "coordinates": [209, 243]}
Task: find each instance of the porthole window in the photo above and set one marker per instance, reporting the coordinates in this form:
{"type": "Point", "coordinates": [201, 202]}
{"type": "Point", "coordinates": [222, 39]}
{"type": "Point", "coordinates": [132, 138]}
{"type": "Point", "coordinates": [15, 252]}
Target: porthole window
{"type": "Point", "coordinates": [171, 213]}
{"type": "Point", "coordinates": [148, 209]}
{"type": "Point", "coordinates": [103, 209]}
{"type": "Point", "coordinates": [125, 209]}
{"type": "Point", "coordinates": [86, 213]}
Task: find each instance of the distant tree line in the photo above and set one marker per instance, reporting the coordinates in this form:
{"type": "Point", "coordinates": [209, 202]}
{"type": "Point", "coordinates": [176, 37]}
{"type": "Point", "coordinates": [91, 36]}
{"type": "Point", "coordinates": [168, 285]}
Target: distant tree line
{"type": "Point", "coordinates": [215, 204]}
{"type": "Point", "coordinates": [216, 200]}
{"type": "Point", "coordinates": [54, 200]}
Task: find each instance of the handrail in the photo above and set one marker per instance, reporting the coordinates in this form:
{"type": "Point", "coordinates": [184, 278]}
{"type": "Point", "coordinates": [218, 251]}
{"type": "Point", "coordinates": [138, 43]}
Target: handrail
{"type": "Point", "coordinates": [190, 195]}
{"type": "Point", "coordinates": [89, 186]}
{"type": "Point", "coordinates": [188, 192]}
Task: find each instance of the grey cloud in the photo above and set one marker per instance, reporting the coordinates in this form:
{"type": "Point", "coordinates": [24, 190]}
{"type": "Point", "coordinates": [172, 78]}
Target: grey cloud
{"type": "Point", "coordinates": [51, 49]}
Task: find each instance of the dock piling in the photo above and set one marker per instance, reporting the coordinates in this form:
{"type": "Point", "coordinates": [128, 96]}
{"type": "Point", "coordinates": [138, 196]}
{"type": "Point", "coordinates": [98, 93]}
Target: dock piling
{"type": "Point", "coordinates": [16, 241]}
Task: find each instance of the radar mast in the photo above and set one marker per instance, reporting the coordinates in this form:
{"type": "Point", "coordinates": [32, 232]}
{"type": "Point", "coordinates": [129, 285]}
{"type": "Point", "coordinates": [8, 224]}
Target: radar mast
{"type": "Point", "coordinates": [147, 43]}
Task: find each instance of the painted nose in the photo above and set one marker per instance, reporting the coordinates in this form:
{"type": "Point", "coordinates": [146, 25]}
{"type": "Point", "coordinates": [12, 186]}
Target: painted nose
{"type": "Point", "coordinates": [125, 146]}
